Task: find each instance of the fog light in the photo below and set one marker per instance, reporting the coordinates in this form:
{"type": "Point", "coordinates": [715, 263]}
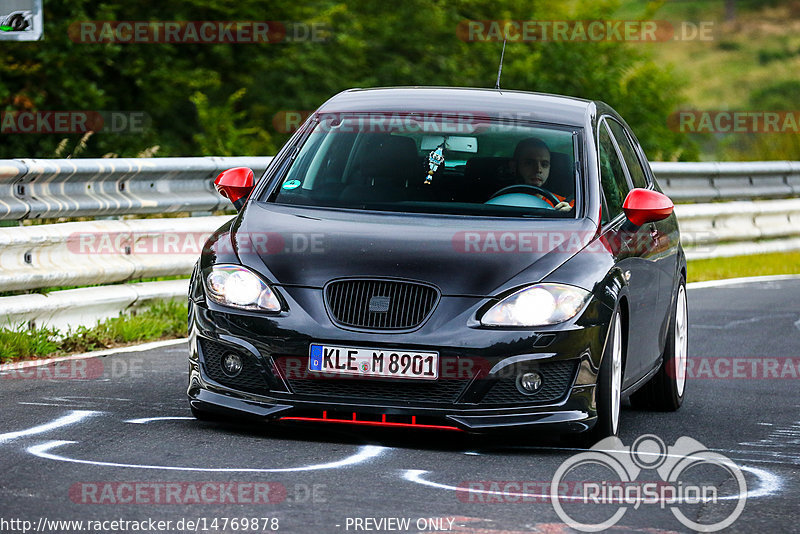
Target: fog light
{"type": "Point", "coordinates": [231, 364]}
{"type": "Point", "coordinates": [529, 383]}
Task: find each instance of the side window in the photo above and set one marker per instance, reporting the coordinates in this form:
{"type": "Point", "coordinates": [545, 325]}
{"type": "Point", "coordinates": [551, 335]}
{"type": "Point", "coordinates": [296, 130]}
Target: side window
{"type": "Point", "coordinates": [628, 154]}
{"type": "Point", "coordinates": [612, 177]}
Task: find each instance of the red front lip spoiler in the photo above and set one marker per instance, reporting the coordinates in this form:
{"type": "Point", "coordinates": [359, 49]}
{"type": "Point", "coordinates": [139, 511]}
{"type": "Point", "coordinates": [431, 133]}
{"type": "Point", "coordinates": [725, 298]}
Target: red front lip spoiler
{"type": "Point", "coordinates": [382, 423]}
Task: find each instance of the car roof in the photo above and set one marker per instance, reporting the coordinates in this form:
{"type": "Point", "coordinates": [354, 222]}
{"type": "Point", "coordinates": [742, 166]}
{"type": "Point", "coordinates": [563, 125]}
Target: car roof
{"type": "Point", "coordinates": [540, 107]}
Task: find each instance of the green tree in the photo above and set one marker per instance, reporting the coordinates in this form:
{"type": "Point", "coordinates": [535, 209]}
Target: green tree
{"type": "Point", "coordinates": [206, 99]}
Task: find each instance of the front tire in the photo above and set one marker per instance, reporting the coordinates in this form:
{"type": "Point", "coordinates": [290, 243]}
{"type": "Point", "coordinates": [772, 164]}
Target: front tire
{"type": "Point", "coordinates": [665, 391]}
{"type": "Point", "coordinates": [608, 393]}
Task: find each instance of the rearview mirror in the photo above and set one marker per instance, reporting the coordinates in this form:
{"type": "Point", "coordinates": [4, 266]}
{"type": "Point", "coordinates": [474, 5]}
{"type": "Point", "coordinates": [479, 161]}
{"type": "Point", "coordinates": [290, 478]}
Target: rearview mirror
{"type": "Point", "coordinates": [642, 206]}
{"type": "Point", "coordinates": [456, 143]}
{"type": "Point", "coordinates": [235, 185]}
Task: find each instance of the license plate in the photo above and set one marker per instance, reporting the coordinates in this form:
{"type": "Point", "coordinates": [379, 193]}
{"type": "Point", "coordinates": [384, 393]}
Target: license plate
{"type": "Point", "coordinates": [390, 363]}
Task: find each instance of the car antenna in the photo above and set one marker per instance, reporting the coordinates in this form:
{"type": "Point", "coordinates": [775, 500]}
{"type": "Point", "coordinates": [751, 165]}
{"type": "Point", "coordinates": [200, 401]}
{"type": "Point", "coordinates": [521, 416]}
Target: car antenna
{"type": "Point", "coordinates": [500, 69]}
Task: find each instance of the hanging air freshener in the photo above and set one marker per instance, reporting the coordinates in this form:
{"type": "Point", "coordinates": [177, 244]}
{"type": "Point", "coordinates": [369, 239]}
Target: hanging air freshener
{"type": "Point", "coordinates": [435, 158]}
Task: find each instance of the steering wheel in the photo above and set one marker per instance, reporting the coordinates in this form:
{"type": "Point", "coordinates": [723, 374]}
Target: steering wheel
{"type": "Point", "coordinates": [528, 189]}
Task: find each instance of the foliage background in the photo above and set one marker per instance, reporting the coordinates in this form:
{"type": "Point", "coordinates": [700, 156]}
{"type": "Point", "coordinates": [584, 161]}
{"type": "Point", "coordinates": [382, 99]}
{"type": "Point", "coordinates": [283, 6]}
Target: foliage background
{"type": "Point", "coordinates": [221, 99]}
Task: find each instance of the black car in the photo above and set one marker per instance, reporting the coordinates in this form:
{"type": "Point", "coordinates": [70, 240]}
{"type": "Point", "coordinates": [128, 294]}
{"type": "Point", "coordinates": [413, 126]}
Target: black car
{"type": "Point", "coordinates": [460, 259]}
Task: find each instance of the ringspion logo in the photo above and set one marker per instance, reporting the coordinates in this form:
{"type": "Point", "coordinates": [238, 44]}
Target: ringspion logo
{"type": "Point", "coordinates": [689, 472]}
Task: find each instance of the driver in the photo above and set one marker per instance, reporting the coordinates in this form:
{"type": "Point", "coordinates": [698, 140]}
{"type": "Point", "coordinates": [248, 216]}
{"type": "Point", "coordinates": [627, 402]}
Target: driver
{"type": "Point", "coordinates": [531, 163]}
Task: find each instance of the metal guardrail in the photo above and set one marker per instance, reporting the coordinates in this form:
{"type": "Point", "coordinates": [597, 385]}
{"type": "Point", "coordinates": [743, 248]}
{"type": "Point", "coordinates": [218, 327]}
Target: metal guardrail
{"type": "Point", "coordinates": [101, 252]}
{"type": "Point", "coordinates": [739, 228]}
{"type": "Point", "coordinates": [50, 188]}
{"type": "Point", "coordinates": [711, 181]}
{"type": "Point", "coordinates": [85, 306]}
{"type": "Point", "coordinates": [41, 188]}
{"type": "Point", "coordinates": [738, 221]}
{"type": "Point", "coordinates": [72, 253]}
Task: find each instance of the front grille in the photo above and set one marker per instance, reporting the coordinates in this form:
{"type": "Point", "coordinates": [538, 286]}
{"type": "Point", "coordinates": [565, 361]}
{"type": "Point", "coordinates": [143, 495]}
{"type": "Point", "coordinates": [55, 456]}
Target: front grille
{"type": "Point", "coordinates": [380, 304]}
{"type": "Point", "coordinates": [250, 378]}
{"type": "Point", "coordinates": [439, 392]}
{"type": "Point", "coordinates": [557, 378]}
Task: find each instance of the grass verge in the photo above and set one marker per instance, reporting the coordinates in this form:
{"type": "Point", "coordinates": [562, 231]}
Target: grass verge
{"type": "Point", "coordinates": [740, 266]}
{"type": "Point", "coordinates": [163, 320]}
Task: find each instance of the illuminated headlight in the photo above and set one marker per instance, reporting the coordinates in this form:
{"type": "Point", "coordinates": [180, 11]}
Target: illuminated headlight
{"type": "Point", "coordinates": [232, 285]}
{"type": "Point", "coordinates": [537, 305]}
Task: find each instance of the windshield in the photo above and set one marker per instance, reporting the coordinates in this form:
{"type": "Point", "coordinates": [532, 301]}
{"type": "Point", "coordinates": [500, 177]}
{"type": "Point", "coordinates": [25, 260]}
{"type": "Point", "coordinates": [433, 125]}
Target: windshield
{"type": "Point", "coordinates": [434, 164]}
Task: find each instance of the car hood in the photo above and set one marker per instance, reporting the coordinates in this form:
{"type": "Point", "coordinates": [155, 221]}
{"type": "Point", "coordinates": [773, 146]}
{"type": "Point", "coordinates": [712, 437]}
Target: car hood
{"type": "Point", "coordinates": [461, 255]}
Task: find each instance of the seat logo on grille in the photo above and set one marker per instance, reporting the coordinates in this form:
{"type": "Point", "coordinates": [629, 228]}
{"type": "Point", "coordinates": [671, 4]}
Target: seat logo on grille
{"type": "Point", "coordinates": [379, 304]}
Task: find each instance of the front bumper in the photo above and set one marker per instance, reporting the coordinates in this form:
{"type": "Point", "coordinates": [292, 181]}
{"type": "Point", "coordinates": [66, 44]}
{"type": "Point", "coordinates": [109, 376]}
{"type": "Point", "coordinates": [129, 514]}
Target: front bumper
{"type": "Point", "coordinates": [559, 420]}
{"type": "Point", "coordinates": [479, 395]}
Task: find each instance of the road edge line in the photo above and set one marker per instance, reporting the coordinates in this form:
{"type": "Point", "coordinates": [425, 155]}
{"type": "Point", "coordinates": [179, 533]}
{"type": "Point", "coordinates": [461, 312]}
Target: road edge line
{"type": "Point", "coordinates": [97, 353]}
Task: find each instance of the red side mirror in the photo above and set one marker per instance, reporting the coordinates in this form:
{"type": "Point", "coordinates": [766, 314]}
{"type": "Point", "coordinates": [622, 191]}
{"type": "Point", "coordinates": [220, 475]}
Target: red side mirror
{"type": "Point", "coordinates": [235, 185]}
{"type": "Point", "coordinates": [644, 205]}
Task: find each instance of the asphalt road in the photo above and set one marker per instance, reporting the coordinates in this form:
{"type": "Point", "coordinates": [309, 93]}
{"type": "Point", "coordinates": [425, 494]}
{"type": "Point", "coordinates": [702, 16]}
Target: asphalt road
{"type": "Point", "coordinates": [81, 446]}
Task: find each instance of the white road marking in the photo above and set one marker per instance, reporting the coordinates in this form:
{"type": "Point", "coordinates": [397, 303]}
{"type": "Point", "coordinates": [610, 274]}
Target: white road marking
{"type": "Point", "coordinates": [365, 453]}
{"type": "Point", "coordinates": [769, 484]}
{"type": "Point", "coordinates": [72, 398]}
{"type": "Point", "coordinates": [74, 417]}
{"type": "Point", "coordinates": [767, 457]}
{"type": "Point", "coordinates": [15, 366]}
{"type": "Point", "coordinates": [780, 445]}
{"type": "Point", "coordinates": [144, 420]}
{"type": "Point", "coordinates": [739, 322]}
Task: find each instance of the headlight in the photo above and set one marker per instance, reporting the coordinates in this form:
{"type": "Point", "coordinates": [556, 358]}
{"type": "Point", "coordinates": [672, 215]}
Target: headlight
{"type": "Point", "coordinates": [537, 305]}
{"type": "Point", "coordinates": [232, 285]}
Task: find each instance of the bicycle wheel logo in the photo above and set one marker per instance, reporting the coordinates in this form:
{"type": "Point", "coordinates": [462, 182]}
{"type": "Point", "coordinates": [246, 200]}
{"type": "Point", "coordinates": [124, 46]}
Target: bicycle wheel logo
{"type": "Point", "coordinates": [623, 486]}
